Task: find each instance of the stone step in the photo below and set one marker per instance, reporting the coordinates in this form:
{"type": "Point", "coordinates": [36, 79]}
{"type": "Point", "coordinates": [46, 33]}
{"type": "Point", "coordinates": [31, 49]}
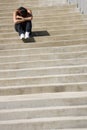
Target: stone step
{"type": "Point", "coordinates": [42, 63]}
{"type": "Point", "coordinates": [46, 38]}
{"type": "Point", "coordinates": [41, 12]}
{"type": "Point", "coordinates": [58, 37]}
{"type": "Point", "coordinates": [61, 29]}
{"type": "Point", "coordinates": [48, 28]}
{"type": "Point", "coordinates": [33, 4]}
{"type": "Point", "coordinates": [42, 56]}
{"type": "Point", "coordinates": [52, 23]}
{"type": "Point", "coordinates": [43, 100]}
{"type": "Point", "coordinates": [62, 26]}
{"type": "Point", "coordinates": [47, 24]}
{"type": "Point", "coordinates": [21, 47]}
{"type": "Point", "coordinates": [47, 123]}
{"type": "Point", "coordinates": [9, 2]}
{"type": "Point", "coordinates": [40, 3]}
{"type": "Point", "coordinates": [47, 33]}
{"type": "Point", "coordinates": [48, 16]}
{"type": "Point", "coordinates": [55, 22]}
{"type": "Point", "coordinates": [63, 6]}
{"type": "Point", "coordinates": [6, 20]}
{"type": "Point", "coordinates": [27, 50]}
{"type": "Point", "coordinates": [21, 44]}
{"type": "Point", "coordinates": [43, 88]}
{"type": "Point", "coordinates": [43, 71]}
{"type": "Point", "coordinates": [28, 113]}
{"type": "Point", "coordinates": [28, 5]}
{"type": "Point", "coordinates": [50, 79]}
{"type": "Point", "coordinates": [18, 1]}
{"type": "Point", "coordinates": [39, 32]}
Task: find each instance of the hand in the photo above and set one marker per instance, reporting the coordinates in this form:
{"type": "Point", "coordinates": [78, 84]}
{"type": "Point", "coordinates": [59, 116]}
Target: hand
{"type": "Point", "coordinates": [23, 19]}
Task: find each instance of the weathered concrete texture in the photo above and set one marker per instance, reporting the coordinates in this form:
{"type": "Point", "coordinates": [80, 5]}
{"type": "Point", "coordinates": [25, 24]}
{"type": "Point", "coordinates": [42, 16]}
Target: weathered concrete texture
{"type": "Point", "coordinates": [43, 80]}
{"type": "Point", "coordinates": [52, 2]}
{"type": "Point", "coordinates": [39, 2]}
{"type": "Point", "coordinates": [82, 5]}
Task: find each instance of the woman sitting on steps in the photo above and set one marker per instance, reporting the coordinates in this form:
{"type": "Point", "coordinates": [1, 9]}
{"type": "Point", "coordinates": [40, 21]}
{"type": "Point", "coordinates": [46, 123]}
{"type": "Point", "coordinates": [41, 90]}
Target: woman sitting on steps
{"type": "Point", "coordinates": [22, 18]}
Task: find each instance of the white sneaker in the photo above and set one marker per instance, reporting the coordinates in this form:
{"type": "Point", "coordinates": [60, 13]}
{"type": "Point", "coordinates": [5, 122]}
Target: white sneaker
{"type": "Point", "coordinates": [22, 36]}
{"type": "Point", "coordinates": [27, 35]}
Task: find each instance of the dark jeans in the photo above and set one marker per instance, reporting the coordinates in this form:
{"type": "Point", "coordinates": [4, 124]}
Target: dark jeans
{"type": "Point", "coordinates": [23, 27]}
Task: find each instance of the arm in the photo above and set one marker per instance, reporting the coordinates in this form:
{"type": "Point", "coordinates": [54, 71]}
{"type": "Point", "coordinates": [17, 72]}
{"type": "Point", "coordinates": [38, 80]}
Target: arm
{"type": "Point", "coordinates": [29, 18]}
{"type": "Point", "coordinates": [17, 18]}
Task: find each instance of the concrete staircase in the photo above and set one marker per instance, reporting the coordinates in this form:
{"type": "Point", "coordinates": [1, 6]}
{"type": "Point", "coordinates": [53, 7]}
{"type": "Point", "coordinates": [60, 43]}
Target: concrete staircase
{"type": "Point", "coordinates": [43, 81]}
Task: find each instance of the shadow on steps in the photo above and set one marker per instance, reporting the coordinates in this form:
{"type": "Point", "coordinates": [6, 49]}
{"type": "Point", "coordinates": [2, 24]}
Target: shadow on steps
{"type": "Point", "coordinates": [36, 34]}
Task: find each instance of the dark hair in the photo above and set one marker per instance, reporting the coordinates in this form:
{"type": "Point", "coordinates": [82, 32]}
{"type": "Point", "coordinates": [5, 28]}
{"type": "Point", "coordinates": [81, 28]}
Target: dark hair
{"type": "Point", "coordinates": [22, 11]}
